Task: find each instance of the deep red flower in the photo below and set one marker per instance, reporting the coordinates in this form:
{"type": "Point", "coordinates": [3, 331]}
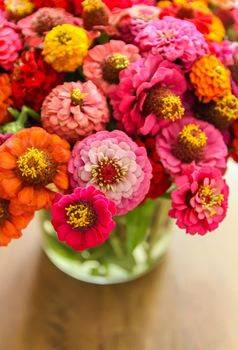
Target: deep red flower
{"type": "Point", "coordinates": [32, 80]}
{"type": "Point", "coordinates": [160, 181]}
{"type": "Point", "coordinates": [234, 143]}
{"type": "Point", "coordinates": [199, 19]}
{"type": "Point", "coordinates": [65, 4]}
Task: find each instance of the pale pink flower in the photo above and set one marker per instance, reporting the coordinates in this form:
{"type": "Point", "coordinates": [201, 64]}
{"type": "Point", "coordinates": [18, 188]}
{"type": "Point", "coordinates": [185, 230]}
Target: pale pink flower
{"type": "Point", "coordinates": [112, 162]}
{"type": "Point", "coordinates": [75, 110]}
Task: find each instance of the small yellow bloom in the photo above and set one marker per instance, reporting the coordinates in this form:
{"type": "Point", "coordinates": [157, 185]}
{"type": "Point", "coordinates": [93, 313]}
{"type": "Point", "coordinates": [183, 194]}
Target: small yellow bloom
{"type": "Point", "coordinates": [65, 47]}
{"type": "Point", "coordinates": [19, 8]}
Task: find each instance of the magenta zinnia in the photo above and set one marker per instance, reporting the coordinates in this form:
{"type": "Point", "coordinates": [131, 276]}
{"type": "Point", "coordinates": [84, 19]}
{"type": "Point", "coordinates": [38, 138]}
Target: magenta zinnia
{"type": "Point", "coordinates": [191, 141]}
{"type": "Point", "coordinates": [149, 96]}
{"type": "Point", "coordinates": [114, 164]}
{"type": "Point", "coordinates": [201, 201]}
{"type": "Point", "coordinates": [83, 219]}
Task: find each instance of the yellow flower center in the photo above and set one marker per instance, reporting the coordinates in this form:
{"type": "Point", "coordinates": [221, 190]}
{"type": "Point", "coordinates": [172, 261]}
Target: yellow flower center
{"type": "Point", "coordinates": [107, 173]}
{"type": "Point", "coordinates": [80, 215]}
{"type": "Point", "coordinates": [112, 67]}
{"type": "Point", "coordinates": [92, 5]}
{"type": "Point", "coordinates": [19, 7]}
{"type": "Point", "coordinates": [190, 144]}
{"type": "Point", "coordinates": [227, 107]}
{"type": "Point", "coordinates": [36, 167]}
{"type": "Point", "coordinates": [77, 96]}
{"type": "Point", "coordinates": [164, 104]}
{"type": "Point", "coordinates": [192, 135]}
{"type": "Point", "coordinates": [210, 200]}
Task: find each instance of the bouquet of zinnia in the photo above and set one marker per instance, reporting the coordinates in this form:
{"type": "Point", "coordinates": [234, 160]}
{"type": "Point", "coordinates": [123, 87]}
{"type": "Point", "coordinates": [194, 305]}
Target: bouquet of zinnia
{"type": "Point", "coordinates": [108, 105]}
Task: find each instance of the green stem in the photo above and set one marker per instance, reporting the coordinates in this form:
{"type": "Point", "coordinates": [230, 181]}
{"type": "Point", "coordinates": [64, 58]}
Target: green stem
{"type": "Point", "coordinates": [14, 112]}
{"type": "Point", "coordinates": [33, 114]}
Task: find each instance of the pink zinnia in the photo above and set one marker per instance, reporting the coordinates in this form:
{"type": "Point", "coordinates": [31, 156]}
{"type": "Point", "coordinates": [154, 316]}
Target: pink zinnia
{"type": "Point", "coordinates": [174, 39]}
{"type": "Point", "coordinates": [35, 27]}
{"type": "Point", "coordinates": [115, 165]}
{"type": "Point", "coordinates": [104, 63]}
{"type": "Point", "coordinates": [201, 200]}
{"type": "Point", "coordinates": [149, 95]}
{"type": "Point", "coordinates": [83, 219]}
{"type": "Point", "coordinates": [191, 141]}
{"type": "Point", "coordinates": [10, 43]}
{"type": "Point", "coordinates": [75, 110]}
{"type": "Point", "coordinates": [131, 21]}
{"type": "Point", "coordinates": [226, 51]}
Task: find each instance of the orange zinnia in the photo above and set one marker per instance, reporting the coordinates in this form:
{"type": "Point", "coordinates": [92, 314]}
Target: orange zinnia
{"type": "Point", "coordinates": [33, 166]}
{"type": "Point", "coordinates": [210, 79]}
{"type": "Point", "coordinates": [12, 220]}
{"type": "Point", "coordinates": [5, 100]}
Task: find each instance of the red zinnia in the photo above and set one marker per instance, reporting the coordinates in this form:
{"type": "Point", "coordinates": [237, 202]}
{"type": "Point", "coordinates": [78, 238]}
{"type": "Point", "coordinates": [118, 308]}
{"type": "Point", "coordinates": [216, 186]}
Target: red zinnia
{"type": "Point", "coordinates": [201, 20]}
{"type": "Point", "coordinates": [65, 4]}
{"type": "Point", "coordinates": [234, 151]}
{"type": "Point", "coordinates": [160, 180]}
{"type": "Point", "coordinates": [32, 76]}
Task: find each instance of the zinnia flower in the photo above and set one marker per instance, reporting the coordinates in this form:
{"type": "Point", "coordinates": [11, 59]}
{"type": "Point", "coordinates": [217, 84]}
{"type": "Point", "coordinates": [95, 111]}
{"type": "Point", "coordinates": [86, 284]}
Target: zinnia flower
{"type": "Point", "coordinates": [32, 80]}
{"type": "Point", "coordinates": [5, 98]}
{"type": "Point", "coordinates": [149, 95]}
{"type": "Point", "coordinates": [210, 79]}
{"type": "Point", "coordinates": [129, 22]}
{"type": "Point", "coordinates": [225, 52]}
{"type": "Point", "coordinates": [160, 181]}
{"type": "Point", "coordinates": [65, 47]}
{"type": "Point", "coordinates": [234, 143]}
{"type": "Point", "coordinates": [35, 27]}
{"type": "Point", "coordinates": [196, 12]}
{"type": "Point", "coordinates": [95, 13]}
{"type": "Point", "coordinates": [221, 113]}
{"type": "Point", "coordinates": [122, 4]}
{"type": "Point", "coordinates": [65, 4]}
{"type": "Point", "coordinates": [33, 166]}
{"type": "Point", "coordinates": [191, 141]}
{"type": "Point", "coordinates": [75, 110]}
{"type": "Point", "coordinates": [174, 39]}
{"type": "Point", "coordinates": [83, 219]}
{"type": "Point", "coordinates": [4, 137]}
{"type": "Point", "coordinates": [10, 43]}
{"type": "Point", "coordinates": [114, 164]}
{"type": "Point", "coordinates": [12, 220]}
{"type": "Point", "coordinates": [18, 8]}
{"type": "Point", "coordinates": [104, 63]}
{"type": "Point", "coordinates": [201, 201]}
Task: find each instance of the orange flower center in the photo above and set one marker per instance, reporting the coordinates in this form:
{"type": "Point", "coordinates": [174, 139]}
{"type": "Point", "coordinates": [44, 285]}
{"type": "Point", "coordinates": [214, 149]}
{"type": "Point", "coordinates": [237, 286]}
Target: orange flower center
{"type": "Point", "coordinates": [36, 167]}
{"type": "Point", "coordinates": [164, 104]}
{"type": "Point", "coordinates": [210, 200]}
{"type": "Point", "coordinates": [80, 215]}
{"type": "Point", "coordinates": [112, 67]}
{"type": "Point", "coordinates": [107, 173]}
{"type": "Point", "coordinates": [190, 144]}
{"type": "Point", "coordinates": [4, 213]}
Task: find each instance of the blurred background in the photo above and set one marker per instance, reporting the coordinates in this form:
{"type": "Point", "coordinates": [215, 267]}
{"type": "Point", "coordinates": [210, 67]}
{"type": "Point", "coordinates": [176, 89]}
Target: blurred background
{"type": "Point", "coordinates": [189, 302]}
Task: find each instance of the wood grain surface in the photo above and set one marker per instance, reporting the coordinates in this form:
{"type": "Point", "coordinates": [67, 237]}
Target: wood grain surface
{"type": "Point", "coordinates": [190, 302]}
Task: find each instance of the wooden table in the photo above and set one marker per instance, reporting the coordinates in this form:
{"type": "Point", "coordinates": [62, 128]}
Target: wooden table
{"type": "Point", "coordinates": [190, 302]}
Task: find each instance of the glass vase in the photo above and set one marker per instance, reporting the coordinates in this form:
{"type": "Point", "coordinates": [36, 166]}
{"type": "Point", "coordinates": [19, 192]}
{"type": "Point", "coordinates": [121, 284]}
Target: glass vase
{"type": "Point", "coordinates": [135, 246]}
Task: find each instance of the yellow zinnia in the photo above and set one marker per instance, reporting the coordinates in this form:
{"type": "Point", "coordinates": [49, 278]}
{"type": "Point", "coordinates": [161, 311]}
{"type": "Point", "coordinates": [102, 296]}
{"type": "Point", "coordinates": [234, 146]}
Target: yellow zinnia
{"type": "Point", "coordinates": [65, 47]}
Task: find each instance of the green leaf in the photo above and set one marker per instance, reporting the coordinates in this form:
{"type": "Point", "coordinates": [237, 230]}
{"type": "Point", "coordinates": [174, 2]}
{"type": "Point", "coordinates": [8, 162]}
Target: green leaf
{"type": "Point", "coordinates": [138, 222]}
